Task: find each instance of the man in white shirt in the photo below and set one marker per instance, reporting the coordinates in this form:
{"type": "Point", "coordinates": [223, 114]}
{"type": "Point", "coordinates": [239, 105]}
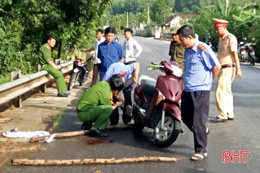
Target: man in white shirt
{"type": "Point", "coordinates": [97, 62]}
{"type": "Point", "coordinates": [131, 48]}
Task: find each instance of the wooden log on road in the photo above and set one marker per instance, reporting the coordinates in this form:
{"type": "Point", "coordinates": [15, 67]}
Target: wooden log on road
{"type": "Point", "coordinates": [91, 161]}
{"type": "Point", "coordinates": [5, 120]}
{"type": "Point", "coordinates": [59, 135]}
{"type": "Point", "coordinates": [74, 133]}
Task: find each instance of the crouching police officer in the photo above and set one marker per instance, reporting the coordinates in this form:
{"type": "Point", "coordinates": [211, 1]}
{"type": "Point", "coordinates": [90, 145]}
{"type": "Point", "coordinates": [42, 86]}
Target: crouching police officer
{"type": "Point", "coordinates": [96, 105]}
{"type": "Point", "coordinates": [47, 63]}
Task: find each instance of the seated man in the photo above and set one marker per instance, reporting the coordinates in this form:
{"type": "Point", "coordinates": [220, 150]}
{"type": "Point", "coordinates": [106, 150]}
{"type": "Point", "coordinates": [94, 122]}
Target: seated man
{"type": "Point", "coordinates": [130, 73]}
{"type": "Point", "coordinates": [47, 63]}
{"type": "Point", "coordinates": [96, 105]}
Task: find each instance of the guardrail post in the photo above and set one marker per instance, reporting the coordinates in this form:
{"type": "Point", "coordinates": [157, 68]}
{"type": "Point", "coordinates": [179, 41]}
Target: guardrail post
{"type": "Point", "coordinates": [43, 88]}
{"type": "Point", "coordinates": [39, 67]}
{"type": "Point", "coordinates": [17, 102]}
{"type": "Point", "coordinates": [15, 75]}
{"type": "Point", "coordinates": [57, 61]}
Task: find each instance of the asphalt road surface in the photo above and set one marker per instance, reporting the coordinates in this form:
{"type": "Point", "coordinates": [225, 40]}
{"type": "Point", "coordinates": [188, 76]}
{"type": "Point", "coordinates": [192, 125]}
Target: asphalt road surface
{"type": "Point", "coordinates": [242, 134]}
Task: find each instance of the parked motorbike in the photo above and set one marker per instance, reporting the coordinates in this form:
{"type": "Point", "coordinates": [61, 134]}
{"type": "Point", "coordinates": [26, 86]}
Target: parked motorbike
{"type": "Point", "coordinates": [156, 104]}
{"type": "Point", "coordinates": [242, 52]}
{"type": "Point", "coordinates": [78, 73]}
{"type": "Point", "coordinates": [251, 54]}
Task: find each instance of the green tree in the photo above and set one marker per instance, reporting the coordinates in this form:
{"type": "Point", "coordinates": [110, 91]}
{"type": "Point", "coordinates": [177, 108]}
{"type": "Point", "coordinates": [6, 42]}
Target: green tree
{"type": "Point", "coordinates": [177, 6]}
{"type": "Point", "coordinates": [160, 11]}
{"type": "Point", "coordinates": [25, 24]}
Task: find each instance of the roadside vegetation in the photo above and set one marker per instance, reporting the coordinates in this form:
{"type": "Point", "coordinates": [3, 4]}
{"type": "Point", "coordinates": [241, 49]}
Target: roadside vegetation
{"type": "Point", "coordinates": [24, 25]}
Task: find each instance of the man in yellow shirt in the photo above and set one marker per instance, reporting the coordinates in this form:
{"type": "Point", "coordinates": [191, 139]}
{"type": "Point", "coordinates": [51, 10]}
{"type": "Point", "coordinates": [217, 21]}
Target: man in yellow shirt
{"type": "Point", "coordinates": [230, 67]}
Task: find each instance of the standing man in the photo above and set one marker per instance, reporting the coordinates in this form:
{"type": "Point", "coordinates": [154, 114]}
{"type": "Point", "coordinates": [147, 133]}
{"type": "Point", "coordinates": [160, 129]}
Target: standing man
{"type": "Point", "coordinates": [230, 66]}
{"type": "Point", "coordinates": [201, 67]}
{"type": "Point", "coordinates": [176, 50]}
{"type": "Point", "coordinates": [109, 51]}
{"type": "Point", "coordinates": [132, 49]}
{"type": "Point", "coordinates": [97, 62]}
{"type": "Point", "coordinates": [48, 64]}
{"type": "Point", "coordinates": [130, 75]}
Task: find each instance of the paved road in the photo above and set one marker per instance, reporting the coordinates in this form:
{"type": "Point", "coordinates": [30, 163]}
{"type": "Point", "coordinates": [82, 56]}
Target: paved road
{"type": "Point", "coordinates": [241, 134]}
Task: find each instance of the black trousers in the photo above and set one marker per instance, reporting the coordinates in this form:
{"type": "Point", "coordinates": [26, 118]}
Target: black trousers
{"type": "Point", "coordinates": [195, 110]}
{"type": "Point", "coordinates": [114, 118]}
{"type": "Point", "coordinates": [129, 83]}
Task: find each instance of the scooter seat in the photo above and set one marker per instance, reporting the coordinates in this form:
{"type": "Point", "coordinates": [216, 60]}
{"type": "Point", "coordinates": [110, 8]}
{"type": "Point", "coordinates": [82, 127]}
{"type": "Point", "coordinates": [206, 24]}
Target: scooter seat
{"type": "Point", "coordinates": [148, 87]}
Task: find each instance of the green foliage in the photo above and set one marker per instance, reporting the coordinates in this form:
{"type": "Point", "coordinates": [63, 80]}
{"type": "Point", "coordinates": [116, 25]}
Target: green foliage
{"type": "Point", "coordinates": [203, 24]}
{"type": "Point", "coordinates": [243, 23]}
{"type": "Point", "coordinates": [133, 6]}
{"type": "Point", "coordinates": [4, 78]}
{"type": "Point", "coordinates": [160, 11]}
{"type": "Point", "coordinates": [24, 26]}
{"type": "Point", "coordinates": [170, 3]}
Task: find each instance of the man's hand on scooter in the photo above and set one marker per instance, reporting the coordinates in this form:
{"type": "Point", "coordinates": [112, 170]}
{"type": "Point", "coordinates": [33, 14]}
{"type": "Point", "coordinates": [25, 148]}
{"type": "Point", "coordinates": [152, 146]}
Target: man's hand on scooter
{"type": "Point", "coordinates": [117, 104]}
{"type": "Point", "coordinates": [135, 79]}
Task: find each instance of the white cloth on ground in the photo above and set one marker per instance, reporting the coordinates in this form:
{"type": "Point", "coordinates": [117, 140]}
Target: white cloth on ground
{"type": "Point", "coordinates": [25, 134]}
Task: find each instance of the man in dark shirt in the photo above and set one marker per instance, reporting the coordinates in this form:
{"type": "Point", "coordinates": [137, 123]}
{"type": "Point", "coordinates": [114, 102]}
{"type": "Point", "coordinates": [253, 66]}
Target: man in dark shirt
{"type": "Point", "coordinates": [109, 51]}
{"type": "Point", "coordinates": [176, 50]}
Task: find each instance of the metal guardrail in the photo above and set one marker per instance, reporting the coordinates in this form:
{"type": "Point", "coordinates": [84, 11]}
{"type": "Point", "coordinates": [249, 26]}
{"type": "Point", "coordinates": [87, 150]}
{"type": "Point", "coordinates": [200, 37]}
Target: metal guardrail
{"type": "Point", "coordinates": [16, 88]}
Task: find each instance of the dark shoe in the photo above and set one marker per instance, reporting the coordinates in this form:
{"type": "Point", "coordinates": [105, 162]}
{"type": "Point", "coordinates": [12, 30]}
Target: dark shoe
{"type": "Point", "coordinates": [86, 126]}
{"type": "Point", "coordinates": [97, 133]}
{"type": "Point", "coordinates": [219, 120]}
{"type": "Point", "coordinates": [126, 118]}
{"type": "Point", "coordinates": [64, 94]}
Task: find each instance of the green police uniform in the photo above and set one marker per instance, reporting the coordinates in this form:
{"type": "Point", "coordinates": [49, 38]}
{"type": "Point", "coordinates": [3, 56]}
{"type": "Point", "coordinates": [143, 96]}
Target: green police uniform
{"type": "Point", "coordinates": [177, 53]}
{"type": "Point", "coordinates": [94, 106]}
{"type": "Point", "coordinates": [45, 57]}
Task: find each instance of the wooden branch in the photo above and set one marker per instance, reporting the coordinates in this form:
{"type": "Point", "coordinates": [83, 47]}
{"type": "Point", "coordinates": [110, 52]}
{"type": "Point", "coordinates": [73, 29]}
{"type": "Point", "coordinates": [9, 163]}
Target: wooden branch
{"type": "Point", "coordinates": [21, 149]}
{"type": "Point", "coordinates": [91, 161]}
{"type": "Point", "coordinates": [59, 135]}
{"type": "Point", "coordinates": [5, 120]}
{"type": "Point", "coordinates": [74, 133]}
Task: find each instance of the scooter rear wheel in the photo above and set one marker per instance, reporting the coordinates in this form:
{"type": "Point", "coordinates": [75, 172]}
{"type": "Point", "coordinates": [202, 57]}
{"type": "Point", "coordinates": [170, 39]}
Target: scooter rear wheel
{"type": "Point", "coordinates": [165, 137]}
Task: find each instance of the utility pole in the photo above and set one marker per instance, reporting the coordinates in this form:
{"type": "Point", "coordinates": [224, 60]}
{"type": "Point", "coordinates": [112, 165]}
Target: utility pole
{"type": "Point", "coordinates": [127, 19]}
{"type": "Point", "coordinates": [148, 18]}
{"type": "Point", "coordinates": [226, 7]}
{"type": "Point", "coordinates": [254, 8]}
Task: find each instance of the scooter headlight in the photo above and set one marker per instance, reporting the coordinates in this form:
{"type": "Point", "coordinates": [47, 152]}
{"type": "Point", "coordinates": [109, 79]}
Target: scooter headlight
{"type": "Point", "coordinates": [160, 98]}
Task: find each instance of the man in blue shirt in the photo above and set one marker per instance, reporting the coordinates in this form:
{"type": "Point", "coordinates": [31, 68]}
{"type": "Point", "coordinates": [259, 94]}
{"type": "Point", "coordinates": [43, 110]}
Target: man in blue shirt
{"type": "Point", "coordinates": [109, 51]}
{"type": "Point", "coordinates": [201, 68]}
{"type": "Point", "coordinates": [130, 70]}
{"type": "Point", "coordinates": [130, 73]}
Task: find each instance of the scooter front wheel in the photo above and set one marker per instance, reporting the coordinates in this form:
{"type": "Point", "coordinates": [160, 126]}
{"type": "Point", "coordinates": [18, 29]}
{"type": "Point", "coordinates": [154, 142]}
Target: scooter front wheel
{"type": "Point", "coordinates": [164, 137]}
